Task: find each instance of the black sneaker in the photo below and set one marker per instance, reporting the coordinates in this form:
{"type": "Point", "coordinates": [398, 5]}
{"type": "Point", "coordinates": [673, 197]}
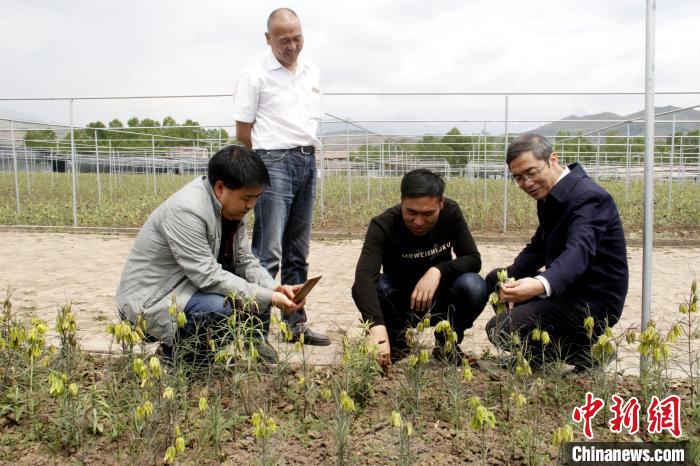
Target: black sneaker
{"type": "Point", "coordinates": [266, 353]}
{"type": "Point", "coordinates": [455, 357]}
{"type": "Point", "coordinates": [585, 362]}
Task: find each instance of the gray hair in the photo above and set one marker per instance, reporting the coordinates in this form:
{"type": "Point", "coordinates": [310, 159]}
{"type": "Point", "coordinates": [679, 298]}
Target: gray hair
{"type": "Point", "coordinates": [280, 12]}
{"type": "Point", "coordinates": [540, 147]}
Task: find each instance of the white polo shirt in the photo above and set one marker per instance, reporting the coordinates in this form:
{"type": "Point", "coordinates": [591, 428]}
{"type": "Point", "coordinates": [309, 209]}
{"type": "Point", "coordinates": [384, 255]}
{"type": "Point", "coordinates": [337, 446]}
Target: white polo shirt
{"type": "Point", "coordinates": [285, 107]}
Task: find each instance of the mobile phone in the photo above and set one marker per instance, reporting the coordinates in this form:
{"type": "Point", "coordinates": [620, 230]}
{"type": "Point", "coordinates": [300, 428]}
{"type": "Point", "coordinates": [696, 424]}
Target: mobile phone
{"type": "Point", "coordinates": [304, 290]}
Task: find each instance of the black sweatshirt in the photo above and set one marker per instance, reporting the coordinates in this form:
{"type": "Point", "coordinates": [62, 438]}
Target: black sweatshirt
{"type": "Point", "coordinates": [404, 257]}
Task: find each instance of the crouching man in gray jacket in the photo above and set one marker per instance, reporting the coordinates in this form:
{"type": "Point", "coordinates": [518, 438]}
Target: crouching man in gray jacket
{"type": "Point", "coordinates": [194, 247]}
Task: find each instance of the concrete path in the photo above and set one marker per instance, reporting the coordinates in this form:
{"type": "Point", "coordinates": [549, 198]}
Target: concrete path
{"type": "Point", "coordinates": [46, 270]}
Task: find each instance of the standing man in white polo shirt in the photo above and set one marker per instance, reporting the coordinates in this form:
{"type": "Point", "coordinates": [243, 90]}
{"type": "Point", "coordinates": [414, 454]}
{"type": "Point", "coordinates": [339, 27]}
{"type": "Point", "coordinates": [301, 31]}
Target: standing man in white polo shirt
{"type": "Point", "coordinates": [277, 110]}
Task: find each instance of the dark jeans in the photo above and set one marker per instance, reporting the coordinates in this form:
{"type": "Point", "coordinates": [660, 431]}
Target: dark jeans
{"type": "Point", "coordinates": [561, 318]}
{"type": "Point", "coordinates": [283, 214]}
{"type": "Point", "coordinates": [459, 302]}
{"type": "Point", "coordinates": [207, 318]}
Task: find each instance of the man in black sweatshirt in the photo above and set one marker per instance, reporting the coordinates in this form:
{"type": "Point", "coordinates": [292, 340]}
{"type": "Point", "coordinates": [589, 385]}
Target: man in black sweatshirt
{"type": "Point", "coordinates": [579, 243]}
{"type": "Point", "coordinates": [412, 244]}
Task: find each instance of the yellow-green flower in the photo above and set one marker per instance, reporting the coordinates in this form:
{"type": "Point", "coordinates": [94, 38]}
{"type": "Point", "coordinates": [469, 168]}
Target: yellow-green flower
{"type": "Point", "coordinates": [154, 365]}
{"type": "Point", "coordinates": [179, 444]}
{"type": "Point", "coordinates": [181, 319]}
{"type": "Point", "coordinates": [203, 404]}
{"type": "Point", "coordinates": [346, 403]}
{"type": "Point", "coordinates": [588, 324]}
{"type": "Point", "coordinates": [169, 455]}
{"type": "Point", "coordinates": [395, 419]}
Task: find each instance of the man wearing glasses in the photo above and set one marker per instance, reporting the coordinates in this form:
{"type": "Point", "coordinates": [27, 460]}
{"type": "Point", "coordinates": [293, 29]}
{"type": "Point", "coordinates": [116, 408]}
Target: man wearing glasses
{"type": "Point", "coordinates": [575, 265]}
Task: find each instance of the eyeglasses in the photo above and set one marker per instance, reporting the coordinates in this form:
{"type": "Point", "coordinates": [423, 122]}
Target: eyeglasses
{"type": "Point", "coordinates": [530, 174]}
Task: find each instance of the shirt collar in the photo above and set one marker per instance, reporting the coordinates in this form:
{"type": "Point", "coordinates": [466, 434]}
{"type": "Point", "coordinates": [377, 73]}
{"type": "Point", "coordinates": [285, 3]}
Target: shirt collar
{"type": "Point", "coordinates": [271, 63]}
{"type": "Point", "coordinates": [563, 174]}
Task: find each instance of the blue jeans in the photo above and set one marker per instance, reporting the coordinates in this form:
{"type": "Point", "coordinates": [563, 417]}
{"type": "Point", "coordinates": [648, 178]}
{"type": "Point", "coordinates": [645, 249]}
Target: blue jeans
{"type": "Point", "coordinates": [207, 314]}
{"type": "Point", "coordinates": [283, 214]}
{"type": "Point", "coordinates": [460, 302]}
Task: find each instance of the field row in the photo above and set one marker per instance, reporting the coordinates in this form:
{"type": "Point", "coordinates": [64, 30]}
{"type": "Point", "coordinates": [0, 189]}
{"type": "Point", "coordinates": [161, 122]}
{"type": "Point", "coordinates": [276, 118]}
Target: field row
{"type": "Point", "coordinates": [125, 200]}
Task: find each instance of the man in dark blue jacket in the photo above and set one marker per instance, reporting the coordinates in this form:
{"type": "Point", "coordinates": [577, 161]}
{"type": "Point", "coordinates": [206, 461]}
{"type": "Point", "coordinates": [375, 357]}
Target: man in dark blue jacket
{"type": "Point", "coordinates": [575, 265]}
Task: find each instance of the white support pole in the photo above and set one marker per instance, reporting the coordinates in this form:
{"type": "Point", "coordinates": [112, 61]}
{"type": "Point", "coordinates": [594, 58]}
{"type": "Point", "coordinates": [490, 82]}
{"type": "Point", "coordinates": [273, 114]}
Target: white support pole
{"type": "Point", "coordinates": [648, 170]}
{"type": "Point", "coordinates": [347, 153]}
{"type": "Point", "coordinates": [26, 167]}
{"type": "Point", "coordinates": [670, 162]}
{"type": "Point", "coordinates": [506, 177]}
{"type": "Point", "coordinates": [14, 163]}
{"type": "Point", "coordinates": [367, 162]}
{"type": "Point", "coordinates": [97, 169]}
{"type": "Point", "coordinates": [628, 163]}
{"type": "Point", "coordinates": [323, 161]}
{"type": "Point", "coordinates": [111, 165]}
{"type": "Point", "coordinates": [153, 157]}
{"type": "Point", "coordinates": [73, 167]}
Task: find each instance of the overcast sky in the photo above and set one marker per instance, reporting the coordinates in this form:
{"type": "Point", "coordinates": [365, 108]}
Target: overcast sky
{"type": "Point", "coordinates": [97, 48]}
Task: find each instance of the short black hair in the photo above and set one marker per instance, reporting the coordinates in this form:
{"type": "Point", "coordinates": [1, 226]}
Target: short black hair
{"type": "Point", "coordinates": [237, 167]}
{"type": "Point", "coordinates": [422, 183]}
{"type": "Point", "coordinates": [540, 147]}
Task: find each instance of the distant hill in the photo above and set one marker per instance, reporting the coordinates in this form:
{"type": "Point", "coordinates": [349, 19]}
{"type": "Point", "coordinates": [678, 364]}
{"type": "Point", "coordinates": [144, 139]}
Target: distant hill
{"type": "Point", "coordinates": [574, 125]}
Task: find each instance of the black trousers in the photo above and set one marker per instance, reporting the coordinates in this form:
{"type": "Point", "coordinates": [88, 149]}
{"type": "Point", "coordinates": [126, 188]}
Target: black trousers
{"type": "Point", "coordinates": [561, 318]}
{"type": "Point", "coordinates": [460, 302]}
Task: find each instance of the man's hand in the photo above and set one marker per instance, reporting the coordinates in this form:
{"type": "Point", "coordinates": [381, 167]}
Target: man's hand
{"type": "Point", "coordinates": [424, 292]}
{"type": "Point", "coordinates": [282, 299]}
{"type": "Point", "coordinates": [520, 290]}
{"type": "Point", "coordinates": [379, 336]}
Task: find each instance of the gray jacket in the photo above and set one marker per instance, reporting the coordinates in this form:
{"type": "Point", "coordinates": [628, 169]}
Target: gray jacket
{"type": "Point", "coordinates": [176, 253]}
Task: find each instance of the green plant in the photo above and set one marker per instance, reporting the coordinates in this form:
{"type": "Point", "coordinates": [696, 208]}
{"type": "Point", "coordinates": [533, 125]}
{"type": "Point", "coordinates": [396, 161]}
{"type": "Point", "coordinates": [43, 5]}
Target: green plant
{"type": "Point", "coordinates": [405, 429]}
{"type": "Point", "coordinates": [264, 427]}
{"type": "Point", "coordinates": [344, 414]}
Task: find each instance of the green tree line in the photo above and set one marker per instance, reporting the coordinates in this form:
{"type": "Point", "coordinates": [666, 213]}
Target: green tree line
{"type": "Point", "coordinates": [136, 133]}
{"type": "Point", "coordinates": [457, 148]}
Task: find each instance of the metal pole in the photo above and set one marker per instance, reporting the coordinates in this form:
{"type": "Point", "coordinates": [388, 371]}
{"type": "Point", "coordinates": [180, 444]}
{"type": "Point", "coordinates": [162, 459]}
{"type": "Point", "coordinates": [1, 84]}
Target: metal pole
{"type": "Point", "coordinates": [485, 180]}
{"type": "Point", "coordinates": [697, 160]}
{"type": "Point", "coordinates": [597, 158]}
{"type": "Point", "coordinates": [14, 163]}
{"type": "Point", "coordinates": [628, 156]}
{"type": "Point", "coordinates": [347, 153]}
{"type": "Point", "coordinates": [648, 170]}
{"type": "Point", "coordinates": [153, 156]}
{"type": "Point", "coordinates": [320, 134]}
{"type": "Point", "coordinates": [505, 171]}
{"type": "Point", "coordinates": [26, 167]}
{"type": "Point", "coordinates": [381, 165]}
{"type": "Point", "coordinates": [97, 168]}
{"type": "Point", "coordinates": [111, 164]}
{"type": "Point", "coordinates": [670, 162]}
{"type": "Point", "coordinates": [367, 162]}
{"type": "Point", "coordinates": [72, 156]}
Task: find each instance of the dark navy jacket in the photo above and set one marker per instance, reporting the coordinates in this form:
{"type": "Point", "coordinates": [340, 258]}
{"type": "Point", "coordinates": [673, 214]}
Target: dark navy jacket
{"type": "Point", "coordinates": [581, 244]}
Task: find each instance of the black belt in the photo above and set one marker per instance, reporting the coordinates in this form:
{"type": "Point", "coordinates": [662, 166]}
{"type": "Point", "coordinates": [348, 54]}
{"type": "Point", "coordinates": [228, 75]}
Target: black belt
{"type": "Point", "coordinates": [306, 150]}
